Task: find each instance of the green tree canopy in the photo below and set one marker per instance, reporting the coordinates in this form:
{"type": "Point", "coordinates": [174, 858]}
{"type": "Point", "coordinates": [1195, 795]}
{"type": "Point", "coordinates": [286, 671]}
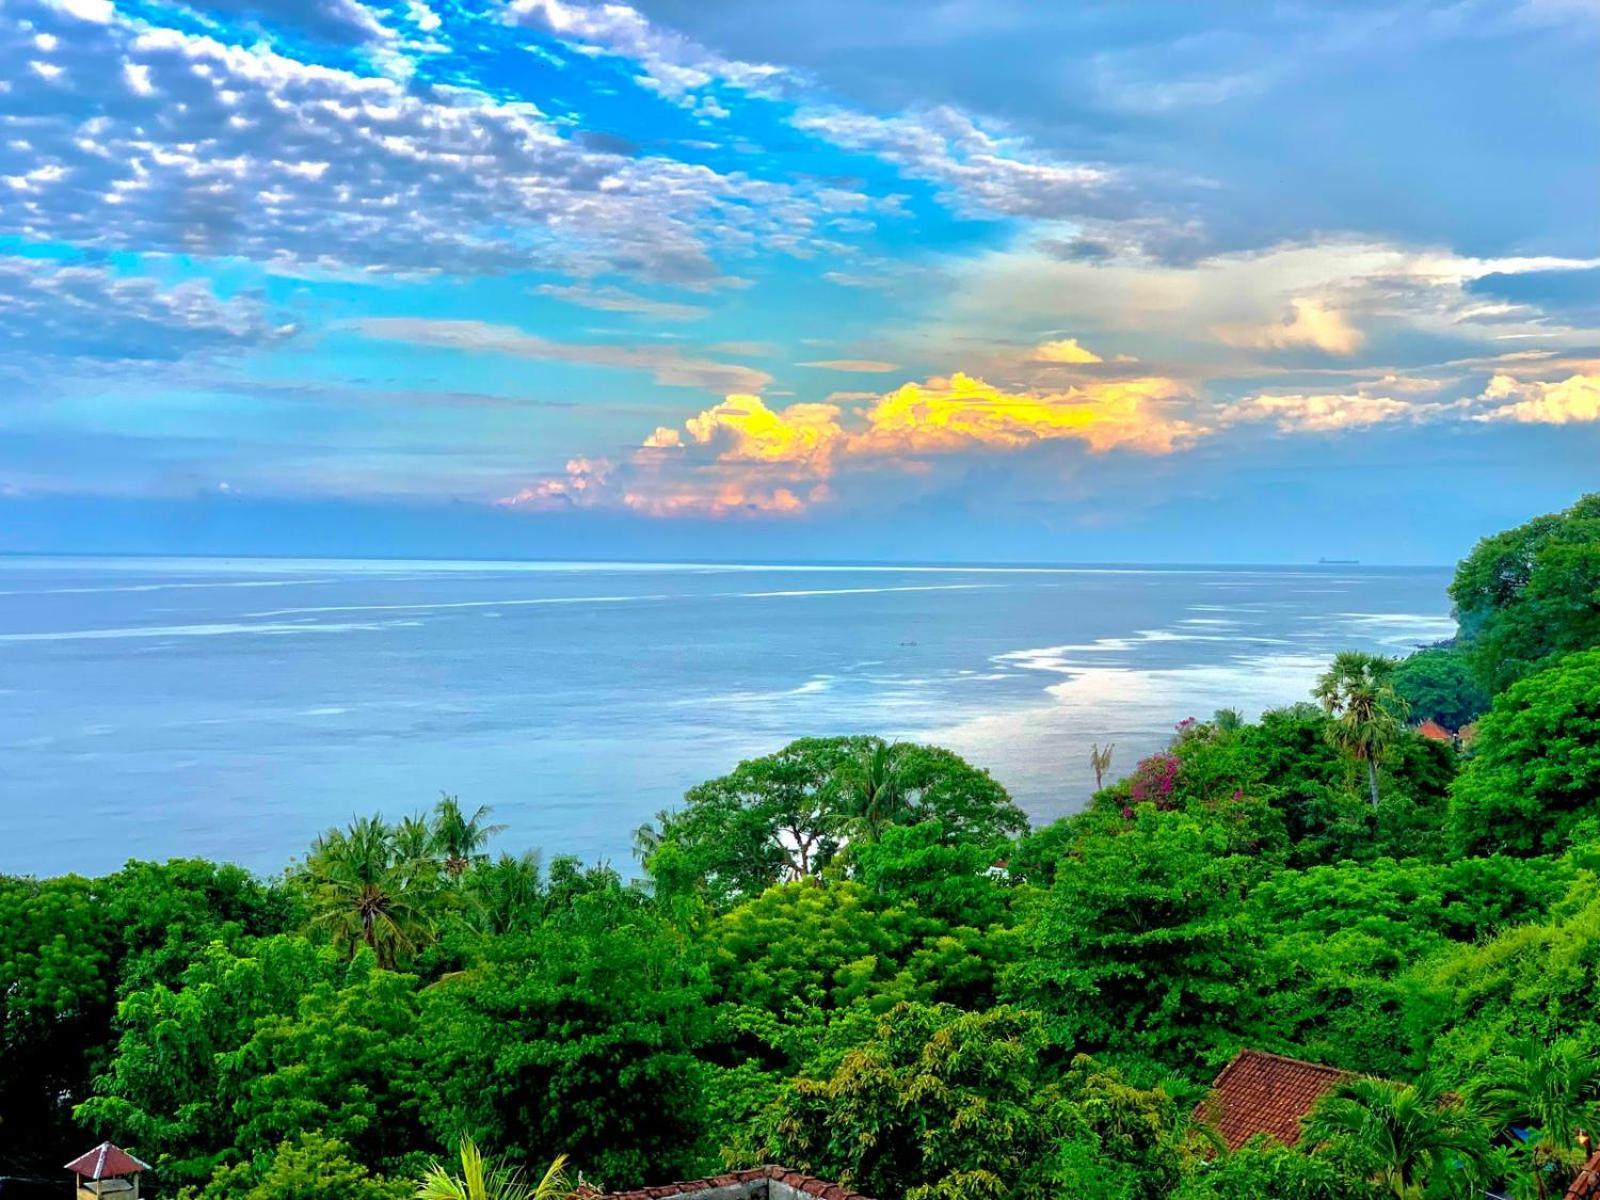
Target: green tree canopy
{"type": "Point", "coordinates": [1531, 593]}
{"type": "Point", "coordinates": [1437, 684]}
{"type": "Point", "coordinates": [1534, 773]}
{"type": "Point", "coordinates": [785, 816]}
{"type": "Point", "coordinates": [1140, 945]}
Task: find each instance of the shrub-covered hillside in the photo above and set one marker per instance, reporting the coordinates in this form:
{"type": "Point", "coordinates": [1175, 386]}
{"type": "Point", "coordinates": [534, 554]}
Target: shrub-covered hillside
{"type": "Point", "coordinates": [856, 958]}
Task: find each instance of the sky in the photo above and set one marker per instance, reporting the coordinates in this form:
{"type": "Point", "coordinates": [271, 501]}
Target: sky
{"type": "Point", "coordinates": [971, 280]}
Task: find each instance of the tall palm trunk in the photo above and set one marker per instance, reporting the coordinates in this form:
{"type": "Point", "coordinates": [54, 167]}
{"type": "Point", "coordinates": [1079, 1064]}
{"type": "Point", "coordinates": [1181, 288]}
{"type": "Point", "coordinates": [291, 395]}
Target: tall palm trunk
{"type": "Point", "coordinates": [1372, 780]}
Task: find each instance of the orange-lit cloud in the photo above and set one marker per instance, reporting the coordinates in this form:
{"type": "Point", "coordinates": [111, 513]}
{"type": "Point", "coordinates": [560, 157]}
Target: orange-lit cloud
{"type": "Point", "coordinates": [583, 478]}
{"type": "Point", "coordinates": [744, 429]}
{"type": "Point", "coordinates": [946, 416]}
{"type": "Point", "coordinates": [742, 456]}
{"type": "Point", "coordinates": [1574, 399]}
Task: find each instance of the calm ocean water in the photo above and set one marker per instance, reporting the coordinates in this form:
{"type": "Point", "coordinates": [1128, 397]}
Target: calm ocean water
{"type": "Point", "coordinates": [232, 708]}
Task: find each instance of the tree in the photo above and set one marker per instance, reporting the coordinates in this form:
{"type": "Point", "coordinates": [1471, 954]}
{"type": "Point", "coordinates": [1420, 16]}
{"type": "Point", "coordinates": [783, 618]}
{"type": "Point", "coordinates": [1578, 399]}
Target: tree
{"type": "Point", "coordinates": [870, 793]}
{"type": "Point", "coordinates": [1534, 773]}
{"type": "Point", "coordinates": [460, 838]}
{"type": "Point", "coordinates": [936, 1102]}
{"type": "Point", "coordinates": [1416, 1140]}
{"type": "Point", "coordinates": [481, 1180]}
{"type": "Point", "coordinates": [582, 1035]}
{"type": "Point", "coordinates": [1140, 945]}
{"type": "Point", "coordinates": [1437, 684]}
{"type": "Point", "coordinates": [785, 816]}
{"type": "Point", "coordinates": [309, 1166]}
{"type": "Point", "coordinates": [58, 955]}
{"type": "Point", "coordinates": [1100, 760]}
{"type": "Point", "coordinates": [367, 887]}
{"type": "Point", "coordinates": [1531, 593]}
{"type": "Point", "coordinates": [1549, 1093]}
{"type": "Point", "coordinates": [1357, 691]}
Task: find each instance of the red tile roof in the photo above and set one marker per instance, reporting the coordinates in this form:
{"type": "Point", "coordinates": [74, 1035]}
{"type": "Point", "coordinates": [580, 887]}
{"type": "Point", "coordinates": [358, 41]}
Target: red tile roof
{"type": "Point", "coordinates": [106, 1161]}
{"type": "Point", "coordinates": [1266, 1093]}
{"type": "Point", "coordinates": [1587, 1185]}
{"type": "Point", "coordinates": [1435, 732]}
{"type": "Point", "coordinates": [811, 1186]}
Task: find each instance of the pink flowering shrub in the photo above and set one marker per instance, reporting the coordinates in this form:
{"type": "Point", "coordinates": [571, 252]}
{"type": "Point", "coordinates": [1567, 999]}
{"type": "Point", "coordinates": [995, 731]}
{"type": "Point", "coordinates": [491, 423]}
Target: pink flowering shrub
{"type": "Point", "coordinates": [1155, 779]}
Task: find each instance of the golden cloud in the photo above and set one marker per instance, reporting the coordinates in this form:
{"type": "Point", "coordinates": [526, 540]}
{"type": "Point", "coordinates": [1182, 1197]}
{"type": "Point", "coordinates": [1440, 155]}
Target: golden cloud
{"type": "Point", "coordinates": [1064, 350]}
{"type": "Point", "coordinates": [1574, 399]}
{"type": "Point", "coordinates": [743, 429]}
{"type": "Point", "coordinates": [743, 457]}
{"type": "Point", "coordinates": [947, 416]}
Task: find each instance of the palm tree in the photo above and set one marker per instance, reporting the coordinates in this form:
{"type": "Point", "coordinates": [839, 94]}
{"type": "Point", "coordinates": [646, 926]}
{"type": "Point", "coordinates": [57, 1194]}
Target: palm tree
{"type": "Point", "coordinates": [459, 838]}
{"type": "Point", "coordinates": [366, 891]}
{"type": "Point", "coordinates": [482, 1180]}
{"type": "Point", "coordinates": [1410, 1137]}
{"type": "Point", "coordinates": [871, 790]}
{"type": "Point", "coordinates": [507, 894]}
{"type": "Point", "coordinates": [1550, 1092]}
{"type": "Point", "coordinates": [1100, 760]}
{"type": "Point", "coordinates": [647, 838]}
{"type": "Point", "coordinates": [1368, 715]}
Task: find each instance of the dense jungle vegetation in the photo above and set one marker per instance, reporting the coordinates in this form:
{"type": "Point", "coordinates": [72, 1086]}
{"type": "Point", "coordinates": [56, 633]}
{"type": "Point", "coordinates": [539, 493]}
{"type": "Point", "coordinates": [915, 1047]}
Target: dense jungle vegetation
{"type": "Point", "coordinates": [857, 958]}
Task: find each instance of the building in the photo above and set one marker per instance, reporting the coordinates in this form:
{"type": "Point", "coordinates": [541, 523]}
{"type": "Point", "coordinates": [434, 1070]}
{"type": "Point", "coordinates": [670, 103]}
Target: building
{"type": "Point", "coordinates": [757, 1183]}
{"type": "Point", "coordinates": [106, 1170]}
{"type": "Point", "coordinates": [1266, 1093]}
{"type": "Point", "coordinates": [1435, 732]}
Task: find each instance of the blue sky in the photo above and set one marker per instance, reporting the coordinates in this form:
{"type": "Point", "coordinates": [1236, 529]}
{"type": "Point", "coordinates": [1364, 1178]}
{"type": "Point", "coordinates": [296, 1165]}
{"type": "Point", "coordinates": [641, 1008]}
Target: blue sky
{"type": "Point", "coordinates": [878, 279]}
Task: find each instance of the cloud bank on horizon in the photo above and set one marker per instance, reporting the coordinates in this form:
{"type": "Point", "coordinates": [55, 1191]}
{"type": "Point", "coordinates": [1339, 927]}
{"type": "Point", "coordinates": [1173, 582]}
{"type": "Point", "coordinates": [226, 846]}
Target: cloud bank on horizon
{"type": "Point", "coordinates": [871, 263]}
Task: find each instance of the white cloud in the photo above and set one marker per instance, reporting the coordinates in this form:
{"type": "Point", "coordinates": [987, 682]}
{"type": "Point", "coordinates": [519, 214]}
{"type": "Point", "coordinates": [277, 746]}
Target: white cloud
{"type": "Point", "coordinates": [1324, 413]}
{"type": "Point", "coordinates": [671, 64]}
{"type": "Point", "coordinates": [615, 299]}
{"type": "Point", "coordinates": [668, 365]}
{"type": "Point", "coordinates": [69, 312]}
{"type": "Point", "coordinates": [175, 142]}
{"type": "Point", "coordinates": [1308, 323]}
{"type": "Point", "coordinates": [982, 172]}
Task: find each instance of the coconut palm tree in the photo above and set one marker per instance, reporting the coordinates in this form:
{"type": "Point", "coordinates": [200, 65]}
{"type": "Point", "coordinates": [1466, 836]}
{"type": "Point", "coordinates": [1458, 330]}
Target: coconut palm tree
{"type": "Point", "coordinates": [482, 1180]}
{"type": "Point", "coordinates": [1368, 715]}
{"type": "Point", "coordinates": [871, 791]}
{"type": "Point", "coordinates": [1100, 760]}
{"type": "Point", "coordinates": [1549, 1093]}
{"type": "Point", "coordinates": [1414, 1139]}
{"type": "Point", "coordinates": [461, 839]}
{"type": "Point", "coordinates": [366, 891]}
{"type": "Point", "coordinates": [506, 895]}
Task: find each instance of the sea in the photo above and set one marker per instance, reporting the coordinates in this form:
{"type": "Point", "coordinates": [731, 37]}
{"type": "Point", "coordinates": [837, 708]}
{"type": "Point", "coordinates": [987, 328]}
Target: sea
{"type": "Point", "coordinates": [233, 708]}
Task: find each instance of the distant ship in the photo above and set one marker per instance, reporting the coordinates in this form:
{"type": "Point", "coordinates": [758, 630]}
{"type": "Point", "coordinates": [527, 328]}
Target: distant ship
{"type": "Point", "coordinates": [1338, 562]}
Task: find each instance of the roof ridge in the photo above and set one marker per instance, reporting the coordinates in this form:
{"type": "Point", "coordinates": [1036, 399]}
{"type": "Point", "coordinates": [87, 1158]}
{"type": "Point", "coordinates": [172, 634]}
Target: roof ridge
{"type": "Point", "coordinates": [799, 1180]}
{"type": "Point", "coordinates": [1299, 1062]}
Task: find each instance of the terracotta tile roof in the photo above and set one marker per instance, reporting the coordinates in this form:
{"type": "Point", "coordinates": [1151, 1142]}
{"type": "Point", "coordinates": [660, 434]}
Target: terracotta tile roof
{"type": "Point", "coordinates": [754, 1183]}
{"type": "Point", "coordinates": [1587, 1185]}
{"type": "Point", "coordinates": [1435, 732]}
{"type": "Point", "coordinates": [106, 1161]}
{"type": "Point", "coordinates": [1265, 1093]}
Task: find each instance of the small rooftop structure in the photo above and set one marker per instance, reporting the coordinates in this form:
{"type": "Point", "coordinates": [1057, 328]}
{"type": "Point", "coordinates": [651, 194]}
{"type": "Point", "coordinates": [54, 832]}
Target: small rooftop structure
{"type": "Point", "coordinates": [107, 1170]}
{"type": "Point", "coordinates": [1266, 1093]}
{"type": "Point", "coordinates": [1587, 1185]}
{"type": "Point", "coordinates": [758, 1183]}
{"type": "Point", "coordinates": [1435, 732]}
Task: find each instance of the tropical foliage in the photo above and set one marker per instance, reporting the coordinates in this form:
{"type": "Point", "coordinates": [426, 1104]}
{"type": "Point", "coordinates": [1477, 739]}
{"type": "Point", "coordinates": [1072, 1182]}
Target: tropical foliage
{"type": "Point", "coordinates": [855, 956]}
